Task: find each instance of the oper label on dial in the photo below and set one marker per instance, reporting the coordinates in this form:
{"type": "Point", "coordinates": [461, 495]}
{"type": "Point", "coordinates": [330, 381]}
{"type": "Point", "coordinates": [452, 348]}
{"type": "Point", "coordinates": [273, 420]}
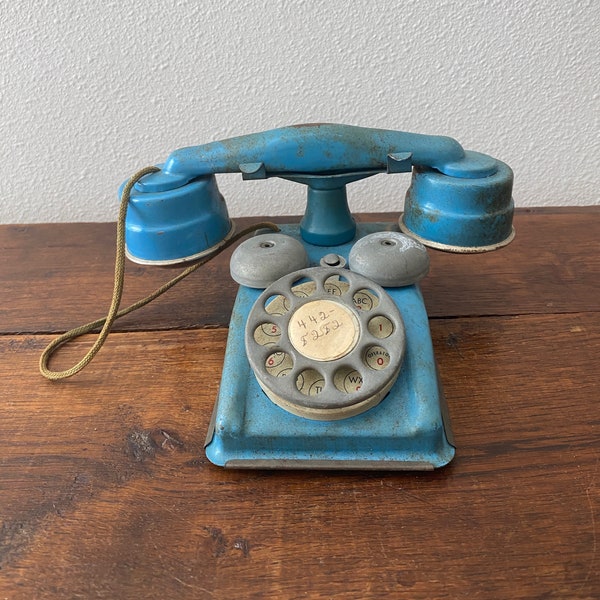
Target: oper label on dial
{"type": "Point", "coordinates": [377, 358]}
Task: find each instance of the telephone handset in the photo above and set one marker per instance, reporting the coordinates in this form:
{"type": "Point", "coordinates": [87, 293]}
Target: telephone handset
{"type": "Point", "coordinates": [329, 362]}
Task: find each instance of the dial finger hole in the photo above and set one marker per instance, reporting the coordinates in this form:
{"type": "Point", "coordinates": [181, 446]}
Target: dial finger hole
{"type": "Point", "coordinates": [380, 327]}
{"type": "Point", "coordinates": [365, 299]}
{"type": "Point", "coordinates": [277, 305]}
{"type": "Point", "coordinates": [279, 364]}
{"type": "Point", "coordinates": [347, 380]}
{"type": "Point", "coordinates": [310, 382]}
{"type": "Point", "coordinates": [304, 287]}
{"type": "Point", "coordinates": [377, 358]}
{"type": "Point", "coordinates": [336, 285]}
{"type": "Point", "coordinates": [267, 334]}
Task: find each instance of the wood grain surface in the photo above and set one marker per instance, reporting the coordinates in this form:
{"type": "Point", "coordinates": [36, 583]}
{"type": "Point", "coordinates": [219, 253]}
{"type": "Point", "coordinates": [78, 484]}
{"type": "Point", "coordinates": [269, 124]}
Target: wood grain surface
{"type": "Point", "coordinates": [105, 491]}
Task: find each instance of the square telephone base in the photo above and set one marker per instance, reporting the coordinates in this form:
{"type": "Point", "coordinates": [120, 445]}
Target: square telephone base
{"type": "Point", "coordinates": [408, 430]}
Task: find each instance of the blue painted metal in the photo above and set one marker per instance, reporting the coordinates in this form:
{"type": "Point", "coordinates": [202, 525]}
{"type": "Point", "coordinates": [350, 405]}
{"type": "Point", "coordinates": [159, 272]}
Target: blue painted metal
{"type": "Point", "coordinates": [461, 215]}
{"type": "Point", "coordinates": [406, 430]}
{"type": "Point", "coordinates": [318, 148]}
{"type": "Point", "coordinates": [327, 219]}
{"type": "Point", "coordinates": [176, 225]}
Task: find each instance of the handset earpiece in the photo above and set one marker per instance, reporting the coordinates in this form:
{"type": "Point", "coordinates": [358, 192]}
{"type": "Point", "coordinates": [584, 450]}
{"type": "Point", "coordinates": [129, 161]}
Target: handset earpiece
{"type": "Point", "coordinates": [461, 214]}
{"type": "Point", "coordinates": [174, 226]}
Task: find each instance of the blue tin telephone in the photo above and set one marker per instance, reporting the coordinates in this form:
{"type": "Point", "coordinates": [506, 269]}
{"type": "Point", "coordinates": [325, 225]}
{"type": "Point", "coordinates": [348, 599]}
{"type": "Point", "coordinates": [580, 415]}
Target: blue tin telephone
{"type": "Point", "coordinates": [329, 361]}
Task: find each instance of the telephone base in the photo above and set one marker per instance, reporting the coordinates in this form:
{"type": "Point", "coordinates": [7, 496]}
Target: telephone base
{"type": "Point", "coordinates": [408, 430]}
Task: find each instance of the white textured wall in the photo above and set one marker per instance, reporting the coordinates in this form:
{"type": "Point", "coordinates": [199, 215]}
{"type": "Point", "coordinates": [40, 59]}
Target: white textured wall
{"type": "Point", "coordinates": [91, 91]}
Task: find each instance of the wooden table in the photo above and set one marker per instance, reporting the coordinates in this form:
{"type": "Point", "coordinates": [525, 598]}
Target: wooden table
{"type": "Point", "coordinates": [106, 492]}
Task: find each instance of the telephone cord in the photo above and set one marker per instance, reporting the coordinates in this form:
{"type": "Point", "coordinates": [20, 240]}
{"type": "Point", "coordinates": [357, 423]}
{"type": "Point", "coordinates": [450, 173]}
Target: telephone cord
{"type": "Point", "coordinates": [114, 313]}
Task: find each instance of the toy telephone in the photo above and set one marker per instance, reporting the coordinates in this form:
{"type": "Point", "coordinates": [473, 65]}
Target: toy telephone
{"type": "Point", "coordinates": [329, 362]}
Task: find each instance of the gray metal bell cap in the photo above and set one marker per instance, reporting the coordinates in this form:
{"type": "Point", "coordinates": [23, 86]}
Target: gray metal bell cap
{"type": "Point", "coordinates": [389, 258]}
{"type": "Point", "coordinates": [263, 259]}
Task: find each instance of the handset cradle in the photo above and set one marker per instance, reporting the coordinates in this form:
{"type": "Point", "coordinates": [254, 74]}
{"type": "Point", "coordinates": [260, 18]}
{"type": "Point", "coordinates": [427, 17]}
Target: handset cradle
{"type": "Point", "coordinates": [329, 361]}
